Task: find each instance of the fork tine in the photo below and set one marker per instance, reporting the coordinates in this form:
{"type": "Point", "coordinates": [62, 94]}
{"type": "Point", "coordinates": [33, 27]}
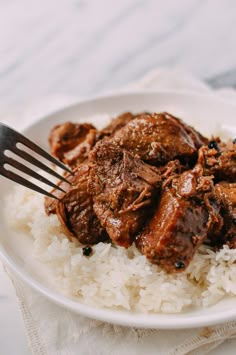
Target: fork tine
{"type": "Point", "coordinates": [37, 163]}
{"type": "Point", "coordinates": [14, 137]}
{"type": "Point", "coordinates": [30, 172]}
{"type": "Point", "coordinates": [8, 141]}
{"type": "Point", "coordinates": [22, 181]}
{"type": "Point", "coordinates": [28, 143]}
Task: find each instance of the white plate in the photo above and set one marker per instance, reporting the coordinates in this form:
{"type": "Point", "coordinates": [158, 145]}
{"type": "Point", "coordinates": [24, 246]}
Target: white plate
{"type": "Point", "coordinates": [206, 113]}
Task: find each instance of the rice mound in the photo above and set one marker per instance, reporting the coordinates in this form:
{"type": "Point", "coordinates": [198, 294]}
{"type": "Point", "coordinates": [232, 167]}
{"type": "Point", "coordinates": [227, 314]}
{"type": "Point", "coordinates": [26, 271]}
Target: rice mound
{"type": "Point", "coordinates": [115, 277]}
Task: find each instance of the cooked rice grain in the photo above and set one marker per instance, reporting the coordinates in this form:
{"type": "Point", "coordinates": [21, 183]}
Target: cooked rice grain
{"type": "Point", "coordinates": [114, 277]}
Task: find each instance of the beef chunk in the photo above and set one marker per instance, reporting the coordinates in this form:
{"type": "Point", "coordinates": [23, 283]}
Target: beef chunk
{"type": "Point", "coordinates": [119, 122]}
{"type": "Point", "coordinates": [219, 159]}
{"type": "Point", "coordinates": [196, 137]}
{"type": "Point", "coordinates": [226, 193]}
{"type": "Point", "coordinates": [75, 209]}
{"type": "Point", "coordinates": [51, 203]}
{"type": "Point", "coordinates": [71, 142]}
{"type": "Point", "coordinates": [157, 139]}
{"type": "Point", "coordinates": [187, 213]}
{"type": "Point", "coordinates": [123, 189]}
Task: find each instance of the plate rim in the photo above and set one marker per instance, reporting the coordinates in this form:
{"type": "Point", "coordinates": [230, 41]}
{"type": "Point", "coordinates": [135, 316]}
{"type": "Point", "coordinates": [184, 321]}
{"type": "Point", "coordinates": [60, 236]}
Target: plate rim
{"type": "Point", "coordinates": [141, 92]}
{"type": "Point", "coordinates": [124, 318]}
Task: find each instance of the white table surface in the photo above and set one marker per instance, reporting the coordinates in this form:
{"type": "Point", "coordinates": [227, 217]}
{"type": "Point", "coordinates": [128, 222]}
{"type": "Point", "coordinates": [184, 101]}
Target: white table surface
{"type": "Point", "coordinates": [86, 47]}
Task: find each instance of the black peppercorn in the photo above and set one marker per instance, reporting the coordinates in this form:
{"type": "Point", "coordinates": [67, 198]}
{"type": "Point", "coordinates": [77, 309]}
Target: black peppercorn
{"type": "Point", "coordinates": [213, 145]}
{"type": "Point", "coordinates": [234, 141]}
{"type": "Point", "coordinates": [87, 250]}
{"type": "Point", "coordinates": [179, 265]}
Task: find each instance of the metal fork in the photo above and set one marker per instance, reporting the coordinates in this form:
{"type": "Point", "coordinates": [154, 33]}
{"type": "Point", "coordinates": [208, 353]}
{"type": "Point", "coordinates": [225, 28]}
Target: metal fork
{"type": "Point", "coordinates": [9, 139]}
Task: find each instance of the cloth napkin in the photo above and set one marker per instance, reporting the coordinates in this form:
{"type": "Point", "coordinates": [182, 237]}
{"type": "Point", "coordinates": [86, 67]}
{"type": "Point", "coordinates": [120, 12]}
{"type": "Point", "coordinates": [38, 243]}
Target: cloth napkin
{"type": "Point", "coordinates": [52, 330]}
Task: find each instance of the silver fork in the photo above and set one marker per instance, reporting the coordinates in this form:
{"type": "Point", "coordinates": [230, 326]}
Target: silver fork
{"type": "Point", "coordinates": [9, 139]}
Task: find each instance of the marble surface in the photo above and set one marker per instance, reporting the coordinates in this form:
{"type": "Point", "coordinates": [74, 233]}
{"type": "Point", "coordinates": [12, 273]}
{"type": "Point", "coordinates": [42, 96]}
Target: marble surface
{"type": "Point", "coordinates": [84, 47]}
{"type": "Point", "coordinates": [79, 48]}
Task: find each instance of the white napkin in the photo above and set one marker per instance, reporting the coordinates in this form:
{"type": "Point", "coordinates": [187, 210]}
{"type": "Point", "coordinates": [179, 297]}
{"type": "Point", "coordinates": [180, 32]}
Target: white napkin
{"type": "Point", "coordinates": [53, 330]}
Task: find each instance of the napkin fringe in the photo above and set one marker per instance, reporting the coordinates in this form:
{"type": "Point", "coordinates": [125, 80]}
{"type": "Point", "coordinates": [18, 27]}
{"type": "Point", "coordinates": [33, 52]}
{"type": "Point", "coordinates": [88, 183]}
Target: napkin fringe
{"type": "Point", "coordinates": [34, 340]}
{"type": "Point", "coordinates": [206, 336]}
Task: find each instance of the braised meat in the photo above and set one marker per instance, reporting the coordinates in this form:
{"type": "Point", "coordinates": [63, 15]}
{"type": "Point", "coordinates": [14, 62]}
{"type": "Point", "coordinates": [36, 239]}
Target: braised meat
{"type": "Point", "coordinates": [147, 178]}
{"type": "Point", "coordinates": [196, 137]}
{"type": "Point", "coordinates": [226, 193]}
{"type": "Point", "coordinates": [119, 122]}
{"type": "Point", "coordinates": [75, 209]}
{"type": "Point", "coordinates": [71, 142]}
{"type": "Point", "coordinates": [157, 139]}
{"type": "Point", "coordinates": [123, 189]}
{"type": "Point", "coordinates": [50, 204]}
{"type": "Point", "coordinates": [171, 169]}
{"type": "Point", "coordinates": [187, 213]}
{"type": "Point", "coordinates": [219, 159]}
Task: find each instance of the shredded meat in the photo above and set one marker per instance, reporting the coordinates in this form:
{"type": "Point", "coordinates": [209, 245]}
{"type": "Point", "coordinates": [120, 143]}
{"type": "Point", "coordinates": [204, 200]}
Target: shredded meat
{"type": "Point", "coordinates": [220, 162]}
{"type": "Point", "coordinates": [226, 192]}
{"type": "Point", "coordinates": [170, 170]}
{"type": "Point", "coordinates": [123, 188]}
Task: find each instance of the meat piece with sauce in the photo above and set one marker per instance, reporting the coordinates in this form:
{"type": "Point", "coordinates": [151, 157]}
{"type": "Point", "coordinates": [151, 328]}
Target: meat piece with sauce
{"type": "Point", "coordinates": [226, 192]}
{"type": "Point", "coordinates": [159, 138]}
{"type": "Point", "coordinates": [170, 170]}
{"type": "Point", "coordinates": [119, 122]}
{"type": "Point", "coordinates": [71, 142]}
{"type": "Point", "coordinates": [132, 181]}
{"type": "Point", "coordinates": [219, 159]}
{"type": "Point", "coordinates": [196, 137]}
{"type": "Point", "coordinates": [74, 208]}
{"type": "Point", "coordinates": [51, 203]}
{"type": "Point", "coordinates": [123, 189]}
{"type": "Point", "coordinates": [188, 212]}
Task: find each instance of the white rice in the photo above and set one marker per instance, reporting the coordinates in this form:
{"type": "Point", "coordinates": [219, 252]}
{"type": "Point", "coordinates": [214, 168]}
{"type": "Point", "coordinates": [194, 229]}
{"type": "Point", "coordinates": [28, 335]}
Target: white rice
{"type": "Point", "coordinates": [114, 277]}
